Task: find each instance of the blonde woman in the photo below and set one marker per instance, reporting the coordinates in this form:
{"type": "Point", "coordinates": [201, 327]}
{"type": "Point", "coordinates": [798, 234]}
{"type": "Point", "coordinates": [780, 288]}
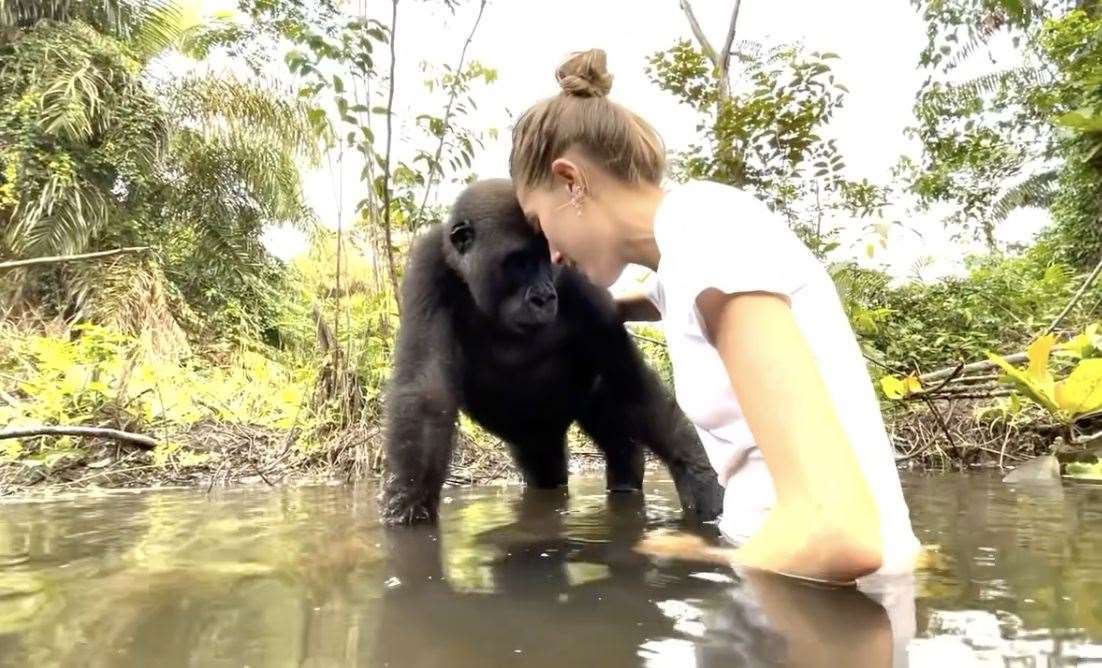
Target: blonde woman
{"type": "Point", "coordinates": [765, 362]}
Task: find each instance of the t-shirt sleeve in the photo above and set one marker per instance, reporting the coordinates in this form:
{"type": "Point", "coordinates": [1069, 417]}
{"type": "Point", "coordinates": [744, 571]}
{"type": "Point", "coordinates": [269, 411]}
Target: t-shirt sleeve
{"type": "Point", "coordinates": [737, 245]}
{"type": "Point", "coordinates": [652, 290]}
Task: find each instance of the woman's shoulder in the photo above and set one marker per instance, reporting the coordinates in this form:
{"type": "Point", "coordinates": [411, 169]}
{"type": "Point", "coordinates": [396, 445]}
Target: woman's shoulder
{"type": "Point", "coordinates": [699, 212]}
{"type": "Point", "coordinates": [700, 193]}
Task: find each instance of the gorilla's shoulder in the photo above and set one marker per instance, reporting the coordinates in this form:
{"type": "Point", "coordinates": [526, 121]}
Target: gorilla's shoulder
{"type": "Point", "coordinates": [429, 242]}
{"type": "Point", "coordinates": [584, 301]}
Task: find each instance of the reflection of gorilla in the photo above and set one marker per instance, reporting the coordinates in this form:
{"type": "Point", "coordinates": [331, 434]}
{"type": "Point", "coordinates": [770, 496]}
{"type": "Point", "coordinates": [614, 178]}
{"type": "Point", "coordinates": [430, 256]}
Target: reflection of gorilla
{"type": "Point", "coordinates": [525, 348]}
{"type": "Point", "coordinates": [537, 599]}
{"type": "Point", "coordinates": [616, 614]}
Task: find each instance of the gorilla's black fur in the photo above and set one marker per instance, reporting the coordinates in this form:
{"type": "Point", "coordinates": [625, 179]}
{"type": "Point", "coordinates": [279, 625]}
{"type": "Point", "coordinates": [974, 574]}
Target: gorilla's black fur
{"type": "Point", "coordinates": [525, 349]}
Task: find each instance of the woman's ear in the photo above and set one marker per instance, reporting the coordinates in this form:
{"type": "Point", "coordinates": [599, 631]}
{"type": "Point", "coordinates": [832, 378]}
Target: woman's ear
{"type": "Point", "coordinates": [568, 171]}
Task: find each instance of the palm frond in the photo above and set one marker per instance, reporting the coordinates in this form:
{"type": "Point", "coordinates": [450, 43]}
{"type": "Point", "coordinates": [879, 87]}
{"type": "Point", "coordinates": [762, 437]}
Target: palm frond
{"type": "Point", "coordinates": [246, 172]}
{"type": "Point", "coordinates": [994, 82]}
{"type": "Point", "coordinates": [1038, 190]}
{"type": "Point", "coordinates": [854, 283]}
{"type": "Point", "coordinates": [72, 104]}
{"type": "Point", "coordinates": [64, 215]}
{"type": "Point", "coordinates": [224, 107]}
{"type": "Point", "coordinates": [129, 293]}
{"type": "Point", "coordinates": [977, 39]}
{"type": "Point", "coordinates": [147, 24]}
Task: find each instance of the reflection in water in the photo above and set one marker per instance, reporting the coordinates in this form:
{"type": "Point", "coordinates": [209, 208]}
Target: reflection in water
{"type": "Point", "coordinates": [306, 576]}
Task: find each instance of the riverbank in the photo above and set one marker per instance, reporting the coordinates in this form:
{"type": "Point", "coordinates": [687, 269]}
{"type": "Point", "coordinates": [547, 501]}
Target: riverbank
{"type": "Point", "coordinates": [219, 455]}
{"type": "Point", "coordinates": [212, 454]}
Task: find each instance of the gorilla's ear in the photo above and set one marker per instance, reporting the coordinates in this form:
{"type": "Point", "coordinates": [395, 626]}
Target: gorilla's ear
{"type": "Point", "coordinates": [461, 235]}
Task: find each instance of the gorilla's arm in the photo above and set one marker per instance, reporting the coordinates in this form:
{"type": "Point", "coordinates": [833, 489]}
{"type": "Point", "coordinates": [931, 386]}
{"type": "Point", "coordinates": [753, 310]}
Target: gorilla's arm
{"type": "Point", "coordinates": [423, 395]}
{"type": "Point", "coordinates": [632, 396]}
{"type": "Point", "coordinates": [637, 308]}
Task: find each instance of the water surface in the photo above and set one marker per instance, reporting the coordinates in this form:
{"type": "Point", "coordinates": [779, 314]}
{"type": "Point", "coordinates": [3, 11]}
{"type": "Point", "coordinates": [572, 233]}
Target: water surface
{"type": "Point", "coordinates": [307, 577]}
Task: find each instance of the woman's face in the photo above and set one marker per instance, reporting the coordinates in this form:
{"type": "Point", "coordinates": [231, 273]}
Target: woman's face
{"type": "Point", "coordinates": [581, 236]}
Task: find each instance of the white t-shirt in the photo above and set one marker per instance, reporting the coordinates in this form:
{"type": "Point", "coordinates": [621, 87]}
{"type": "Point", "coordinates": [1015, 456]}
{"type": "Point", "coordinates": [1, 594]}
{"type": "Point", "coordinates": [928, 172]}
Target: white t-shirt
{"type": "Point", "coordinates": [714, 236]}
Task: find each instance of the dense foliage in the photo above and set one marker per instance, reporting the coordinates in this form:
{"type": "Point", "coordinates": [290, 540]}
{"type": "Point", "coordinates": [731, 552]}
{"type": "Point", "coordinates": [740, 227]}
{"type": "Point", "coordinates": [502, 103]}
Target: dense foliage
{"type": "Point", "coordinates": [104, 145]}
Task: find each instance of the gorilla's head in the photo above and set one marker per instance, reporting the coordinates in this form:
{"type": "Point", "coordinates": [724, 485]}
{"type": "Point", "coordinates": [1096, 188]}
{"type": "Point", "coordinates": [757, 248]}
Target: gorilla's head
{"type": "Point", "coordinates": [504, 262]}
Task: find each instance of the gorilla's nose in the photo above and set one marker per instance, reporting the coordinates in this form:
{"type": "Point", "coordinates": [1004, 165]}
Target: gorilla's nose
{"type": "Point", "coordinates": [543, 300]}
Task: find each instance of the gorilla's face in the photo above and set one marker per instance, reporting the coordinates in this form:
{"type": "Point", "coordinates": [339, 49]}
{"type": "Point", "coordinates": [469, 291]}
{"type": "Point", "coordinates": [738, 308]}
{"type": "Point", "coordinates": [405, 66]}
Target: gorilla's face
{"type": "Point", "coordinates": [504, 262]}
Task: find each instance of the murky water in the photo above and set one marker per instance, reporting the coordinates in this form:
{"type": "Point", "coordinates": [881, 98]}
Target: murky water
{"type": "Point", "coordinates": [306, 577]}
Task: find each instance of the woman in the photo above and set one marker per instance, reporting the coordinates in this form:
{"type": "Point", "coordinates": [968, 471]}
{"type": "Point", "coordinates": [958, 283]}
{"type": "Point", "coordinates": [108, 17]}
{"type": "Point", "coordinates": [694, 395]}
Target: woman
{"type": "Point", "coordinates": [765, 362]}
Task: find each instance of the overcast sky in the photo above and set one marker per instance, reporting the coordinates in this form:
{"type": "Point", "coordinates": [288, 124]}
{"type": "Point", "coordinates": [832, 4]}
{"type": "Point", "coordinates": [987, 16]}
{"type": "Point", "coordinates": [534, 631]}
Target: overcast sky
{"type": "Point", "coordinates": [524, 40]}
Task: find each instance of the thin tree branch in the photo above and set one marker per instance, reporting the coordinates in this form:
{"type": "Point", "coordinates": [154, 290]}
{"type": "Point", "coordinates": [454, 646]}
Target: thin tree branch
{"type": "Point", "coordinates": [433, 168]}
{"type": "Point", "coordinates": [647, 339]}
{"type": "Point", "coordinates": [1075, 299]}
{"type": "Point", "coordinates": [1017, 357]}
{"type": "Point", "coordinates": [968, 368]}
{"type": "Point", "coordinates": [94, 432]}
{"type": "Point", "coordinates": [1087, 438]}
{"type": "Point", "coordinates": [953, 396]}
{"type": "Point", "coordinates": [941, 386]}
{"type": "Point", "coordinates": [53, 259]}
{"type": "Point", "coordinates": [386, 162]}
{"type": "Point", "coordinates": [880, 364]}
{"type": "Point", "coordinates": [725, 56]}
{"type": "Point", "coordinates": [941, 422]}
{"type": "Point", "coordinates": [701, 38]}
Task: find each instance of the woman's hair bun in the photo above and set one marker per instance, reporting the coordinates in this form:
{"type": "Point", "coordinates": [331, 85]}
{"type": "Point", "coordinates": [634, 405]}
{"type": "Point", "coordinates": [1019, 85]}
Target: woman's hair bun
{"type": "Point", "coordinates": [585, 74]}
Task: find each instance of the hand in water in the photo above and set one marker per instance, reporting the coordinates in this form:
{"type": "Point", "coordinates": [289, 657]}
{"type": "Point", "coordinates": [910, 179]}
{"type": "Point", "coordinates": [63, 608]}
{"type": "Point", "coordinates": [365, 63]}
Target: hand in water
{"type": "Point", "coordinates": [685, 546]}
{"type": "Point", "coordinates": [784, 545]}
{"type": "Point", "coordinates": [797, 544]}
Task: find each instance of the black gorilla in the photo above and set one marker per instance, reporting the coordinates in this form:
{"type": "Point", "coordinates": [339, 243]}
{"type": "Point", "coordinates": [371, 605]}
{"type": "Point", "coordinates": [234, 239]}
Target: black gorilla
{"type": "Point", "coordinates": [524, 348]}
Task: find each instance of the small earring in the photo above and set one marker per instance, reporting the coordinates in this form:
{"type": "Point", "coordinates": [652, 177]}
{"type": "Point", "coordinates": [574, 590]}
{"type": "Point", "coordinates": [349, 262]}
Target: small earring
{"type": "Point", "coordinates": [576, 196]}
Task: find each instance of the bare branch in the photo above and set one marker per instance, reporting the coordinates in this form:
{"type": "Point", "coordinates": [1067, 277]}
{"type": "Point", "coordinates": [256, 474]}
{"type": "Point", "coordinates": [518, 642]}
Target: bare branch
{"type": "Point", "coordinates": [1075, 299]}
{"type": "Point", "coordinates": [448, 114]}
{"type": "Point", "coordinates": [13, 264]}
{"type": "Point", "coordinates": [94, 432]}
{"type": "Point", "coordinates": [1017, 357]}
{"type": "Point", "coordinates": [701, 38]}
{"type": "Point", "coordinates": [725, 56]}
{"type": "Point", "coordinates": [968, 368]}
{"type": "Point", "coordinates": [386, 166]}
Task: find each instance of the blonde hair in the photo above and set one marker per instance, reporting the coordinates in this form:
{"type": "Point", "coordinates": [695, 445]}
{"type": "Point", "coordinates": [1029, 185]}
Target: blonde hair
{"type": "Point", "coordinates": [581, 115]}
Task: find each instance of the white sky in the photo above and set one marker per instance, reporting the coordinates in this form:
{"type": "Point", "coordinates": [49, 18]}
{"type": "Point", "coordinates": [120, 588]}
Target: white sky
{"type": "Point", "coordinates": [524, 40]}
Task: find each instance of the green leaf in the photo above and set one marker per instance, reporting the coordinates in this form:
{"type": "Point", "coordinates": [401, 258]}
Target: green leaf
{"type": "Point", "coordinates": [1087, 344]}
{"type": "Point", "coordinates": [1084, 119]}
{"type": "Point", "coordinates": [1081, 392]}
{"type": "Point", "coordinates": [1039, 353]}
{"type": "Point", "coordinates": [1036, 383]}
{"type": "Point", "coordinates": [893, 387]}
{"type": "Point", "coordinates": [1083, 470]}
